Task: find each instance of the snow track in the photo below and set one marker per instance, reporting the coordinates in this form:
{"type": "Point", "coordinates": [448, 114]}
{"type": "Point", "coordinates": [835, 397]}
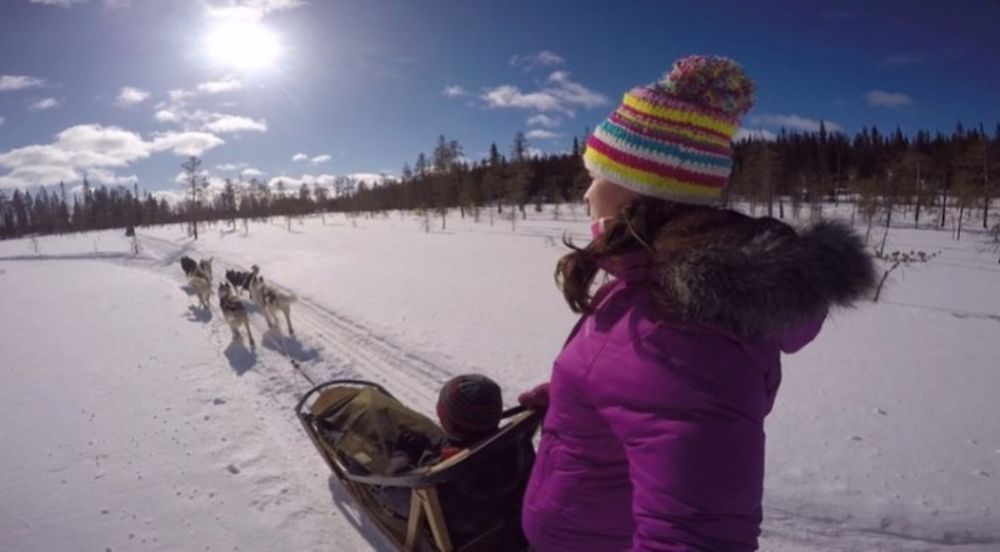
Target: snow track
{"type": "Point", "coordinates": [326, 346]}
{"type": "Point", "coordinates": [882, 438]}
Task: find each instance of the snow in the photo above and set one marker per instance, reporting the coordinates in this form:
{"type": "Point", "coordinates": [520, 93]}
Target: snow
{"type": "Point", "coordinates": [133, 422]}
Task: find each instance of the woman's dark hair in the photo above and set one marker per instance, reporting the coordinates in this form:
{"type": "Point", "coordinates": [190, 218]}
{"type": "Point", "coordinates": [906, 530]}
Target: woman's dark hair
{"type": "Point", "coordinates": [663, 227]}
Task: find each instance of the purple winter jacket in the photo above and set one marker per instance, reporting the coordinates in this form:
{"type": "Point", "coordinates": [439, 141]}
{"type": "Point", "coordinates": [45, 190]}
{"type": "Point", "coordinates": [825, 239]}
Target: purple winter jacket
{"type": "Point", "coordinates": [654, 437]}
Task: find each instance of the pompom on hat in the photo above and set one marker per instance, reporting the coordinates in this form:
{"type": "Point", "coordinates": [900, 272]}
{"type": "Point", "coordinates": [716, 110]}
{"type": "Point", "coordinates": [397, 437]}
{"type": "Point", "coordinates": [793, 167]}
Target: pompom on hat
{"type": "Point", "coordinates": [673, 139]}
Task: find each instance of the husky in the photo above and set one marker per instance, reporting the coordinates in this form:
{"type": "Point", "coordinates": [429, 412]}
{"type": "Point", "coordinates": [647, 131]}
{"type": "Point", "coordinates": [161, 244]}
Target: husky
{"type": "Point", "coordinates": [234, 312]}
{"type": "Point", "coordinates": [205, 268]}
{"type": "Point", "coordinates": [202, 288]}
{"type": "Point", "coordinates": [242, 281]}
{"type": "Point", "coordinates": [188, 265]}
{"type": "Point", "coordinates": [270, 302]}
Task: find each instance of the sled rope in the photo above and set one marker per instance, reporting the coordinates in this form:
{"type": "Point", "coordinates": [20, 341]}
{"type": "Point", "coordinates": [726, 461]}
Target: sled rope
{"type": "Point", "coordinates": [295, 364]}
{"type": "Point", "coordinates": [298, 368]}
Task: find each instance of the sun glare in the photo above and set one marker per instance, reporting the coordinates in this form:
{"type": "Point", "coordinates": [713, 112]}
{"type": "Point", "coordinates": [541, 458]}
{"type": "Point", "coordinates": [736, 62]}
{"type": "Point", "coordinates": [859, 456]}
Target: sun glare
{"type": "Point", "coordinates": [243, 45]}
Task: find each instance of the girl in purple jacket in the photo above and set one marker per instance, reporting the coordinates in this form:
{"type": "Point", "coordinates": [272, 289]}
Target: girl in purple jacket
{"type": "Point", "coordinates": [653, 437]}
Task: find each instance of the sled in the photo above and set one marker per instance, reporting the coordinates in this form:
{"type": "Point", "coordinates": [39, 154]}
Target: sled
{"type": "Point", "coordinates": [440, 506]}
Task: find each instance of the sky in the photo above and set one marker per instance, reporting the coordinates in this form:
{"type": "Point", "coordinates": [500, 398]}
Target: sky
{"type": "Point", "coordinates": [302, 90]}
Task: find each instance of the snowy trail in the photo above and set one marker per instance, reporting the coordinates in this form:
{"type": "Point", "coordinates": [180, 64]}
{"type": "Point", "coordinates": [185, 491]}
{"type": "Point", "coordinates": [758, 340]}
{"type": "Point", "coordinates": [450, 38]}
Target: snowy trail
{"type": "Point", "coordinates": [882, 438]}
{"type": "Point", "coordinates": [121, 440]}
{"type": "Point", "coordinates": [326, 345]}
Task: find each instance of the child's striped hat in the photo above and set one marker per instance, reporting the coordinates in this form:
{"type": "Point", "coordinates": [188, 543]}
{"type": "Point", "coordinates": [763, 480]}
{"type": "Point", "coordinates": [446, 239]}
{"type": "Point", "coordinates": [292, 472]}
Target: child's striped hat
{"type": "Point", "coordinates": [469, 407]}
{"type": "Point", "coordinates": [672, 139]}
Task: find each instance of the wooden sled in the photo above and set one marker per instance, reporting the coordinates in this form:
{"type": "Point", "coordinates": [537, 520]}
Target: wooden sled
{"type": "Point", "coordinates": [442, 515]}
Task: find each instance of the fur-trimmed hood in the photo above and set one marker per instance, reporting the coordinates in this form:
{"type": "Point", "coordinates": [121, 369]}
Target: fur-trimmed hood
{"type": "Point", "coordinates": [760, 275]}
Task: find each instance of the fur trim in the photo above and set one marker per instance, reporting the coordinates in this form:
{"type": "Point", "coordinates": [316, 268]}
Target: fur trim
{"type": "Point", "coordinates": [762, 276]}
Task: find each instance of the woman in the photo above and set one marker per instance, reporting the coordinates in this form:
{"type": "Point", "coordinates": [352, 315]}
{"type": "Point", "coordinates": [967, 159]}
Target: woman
{"type": "Point", "coordinates": [653, 438]}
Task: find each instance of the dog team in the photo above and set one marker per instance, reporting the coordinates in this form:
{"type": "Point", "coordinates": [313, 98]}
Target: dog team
{"type": "Point", "coordinates": [268, 299]}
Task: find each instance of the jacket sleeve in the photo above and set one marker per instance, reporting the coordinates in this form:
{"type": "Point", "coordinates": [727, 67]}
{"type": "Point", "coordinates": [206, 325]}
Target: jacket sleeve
{"type": "Point", "coordinates": [695, 454]}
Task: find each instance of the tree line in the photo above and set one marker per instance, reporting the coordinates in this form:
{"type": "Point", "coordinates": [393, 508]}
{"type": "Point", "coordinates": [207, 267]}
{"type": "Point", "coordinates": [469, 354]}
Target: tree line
{"type": "Point", "coordinates": [876, 172]}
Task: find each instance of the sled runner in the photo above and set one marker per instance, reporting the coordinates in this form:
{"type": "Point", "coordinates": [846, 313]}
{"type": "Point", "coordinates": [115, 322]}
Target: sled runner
{"type": "Point", "coordinates": [387, 457]}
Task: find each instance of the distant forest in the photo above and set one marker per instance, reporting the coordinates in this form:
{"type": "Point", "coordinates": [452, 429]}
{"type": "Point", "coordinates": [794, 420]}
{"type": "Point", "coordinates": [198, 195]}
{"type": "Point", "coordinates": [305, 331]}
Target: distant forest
{"type": "Point", "coordinates": [874, 171]}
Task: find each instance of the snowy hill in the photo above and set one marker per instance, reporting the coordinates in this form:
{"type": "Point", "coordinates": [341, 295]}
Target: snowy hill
{"type": "Point", "coordinates": [132, 421]}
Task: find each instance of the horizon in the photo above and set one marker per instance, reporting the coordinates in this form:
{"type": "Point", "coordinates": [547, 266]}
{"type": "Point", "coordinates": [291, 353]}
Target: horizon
{"type": "Point", "coordinates": [305, 91]}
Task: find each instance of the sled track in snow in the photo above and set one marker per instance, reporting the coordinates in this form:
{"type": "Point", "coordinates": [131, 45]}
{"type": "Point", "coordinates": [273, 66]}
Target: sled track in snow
{"type": "Point", "coordinates": [327, 344]}
{"type": "Point", "coordinates": [815, 532]}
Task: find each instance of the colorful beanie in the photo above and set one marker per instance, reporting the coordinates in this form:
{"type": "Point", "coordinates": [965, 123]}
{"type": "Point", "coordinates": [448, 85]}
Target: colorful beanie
{"type": "Point", "coordinates": [672, 139]}
{"type": "Point", "coordinates": [470, 407]}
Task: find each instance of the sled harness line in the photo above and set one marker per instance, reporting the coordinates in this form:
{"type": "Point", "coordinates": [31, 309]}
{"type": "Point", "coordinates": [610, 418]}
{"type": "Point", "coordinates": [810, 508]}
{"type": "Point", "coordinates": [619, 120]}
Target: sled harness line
{"type": "Point", "coordinates": [295, 363]}
{"type": "Point", "coordinates": [298, 368]}
{"type": "Point", "coordinates": [280, 340]}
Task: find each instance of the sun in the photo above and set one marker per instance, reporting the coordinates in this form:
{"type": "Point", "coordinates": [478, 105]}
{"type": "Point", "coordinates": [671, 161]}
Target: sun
{"type": "Point", "coordinates": [243, 46]}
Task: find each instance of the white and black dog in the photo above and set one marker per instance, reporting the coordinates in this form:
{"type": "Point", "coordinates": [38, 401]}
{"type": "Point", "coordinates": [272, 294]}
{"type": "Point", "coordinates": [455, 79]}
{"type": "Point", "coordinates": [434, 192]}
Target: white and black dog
{"type": "Point", "coordinates": [202, 267]}
{"type": "Point", "coordinates": [205, 268]}
{"type": "Point", "coordinates": [202, 287]}
{"type": "Point", "coordinates": [234, 312]}
{"type": "Point", "coordinates": [270, 302]}
{"type": "Point", "coordinates": [242, 281]}
{"type": "Point", "coordinates": [188, 265]}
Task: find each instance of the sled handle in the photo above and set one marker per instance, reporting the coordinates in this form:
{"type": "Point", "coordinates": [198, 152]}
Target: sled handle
{"type": "Point", "coordinates": [513, 411]}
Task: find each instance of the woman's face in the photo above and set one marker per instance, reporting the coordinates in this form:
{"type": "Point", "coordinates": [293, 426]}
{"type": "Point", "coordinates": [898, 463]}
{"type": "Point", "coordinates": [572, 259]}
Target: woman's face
{"type": "Point", "coordinates": [606, 199]}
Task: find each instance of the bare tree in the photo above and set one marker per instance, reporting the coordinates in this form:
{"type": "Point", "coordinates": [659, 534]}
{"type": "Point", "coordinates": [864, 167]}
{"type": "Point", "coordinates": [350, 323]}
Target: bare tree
{"type": "Point", "coordinates": [192, 170]}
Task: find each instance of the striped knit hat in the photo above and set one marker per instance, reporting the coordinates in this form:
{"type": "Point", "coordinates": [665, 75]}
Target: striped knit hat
{"type": "Point", "coordinates": [672, 139]}
{"type": "Point", "coordinates": [470, 407]}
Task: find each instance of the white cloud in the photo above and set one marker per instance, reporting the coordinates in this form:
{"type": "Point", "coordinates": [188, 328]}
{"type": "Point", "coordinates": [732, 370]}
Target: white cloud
{"type": "Point", "coordinates": [108, 4]}
{"type": "Point", "coordinates": [186, 143]}
{"type": "Point", "coordinates": [179, 95]}
{"type": "Point", "coordinates": [561, 94]}
{"type": "Point", "coordinates": [252, 10]}
{"type": "Point", "coordinates": [454, 91]}
{"type": "Point", "coordinates": [511, 96]}
{"type": "Point", "coordinates": [217, 87]}
{"type": "Point", "coordinates": [1, 119]}
{"type": "Point", "coordinates": [543, 120]}
{"type": "Point", "coordinates": [534, 152]}
{"type": "Point", "coordinates": [543, 58]}
{"type": "Point", "coordinates": [43, 104]}
{"type": "Point", "coordinates": [753, 133]}
{"type": "Point", "coordinates": [109, 178]}
{"type": "Point", "coordinates": [791, 122]}
{"type": "Point", "coordinates": [172, 197]}
{"type": "Point", "coordinates": [299, 157]}
{"type": "Point", "coordinates": [38, 175]}
{"type": "Point", "coordinates": [230, 166]}
{"type": "Point", "coordinates": [893, 100]}
{"type": "Point", "coordinates": [93, 150]}
{"type": "Point", "coordinates": [59, 3]}
{"type": "Point", "coordinates": [221, 123]}
{"type": "Point", "coordinates": [574, 93]}
{"type": "Point", "coordinates": [166, 116]}
{"type": "Point", "coordinates": [75, 151]}
{"type": "Point", "coordinates": [17, 82]}
{"type": "Point", "coordinates": [98, 146]}
{"type": "Point", "coordinates": [539, 134]}
{"type": "Point", "coordinates": [251, 172]}
{"type": "Point", "coordinates": [208, 121]}
{"type": "Point", "coordinates": [320, 159]}
{"type": "Point", "coordinates": [129, 95]}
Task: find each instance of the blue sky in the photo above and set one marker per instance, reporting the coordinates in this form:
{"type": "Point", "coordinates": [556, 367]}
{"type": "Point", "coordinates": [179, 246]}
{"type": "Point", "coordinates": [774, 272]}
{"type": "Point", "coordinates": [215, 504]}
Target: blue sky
{"type": "Point", "coordinates": [306, 89]}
